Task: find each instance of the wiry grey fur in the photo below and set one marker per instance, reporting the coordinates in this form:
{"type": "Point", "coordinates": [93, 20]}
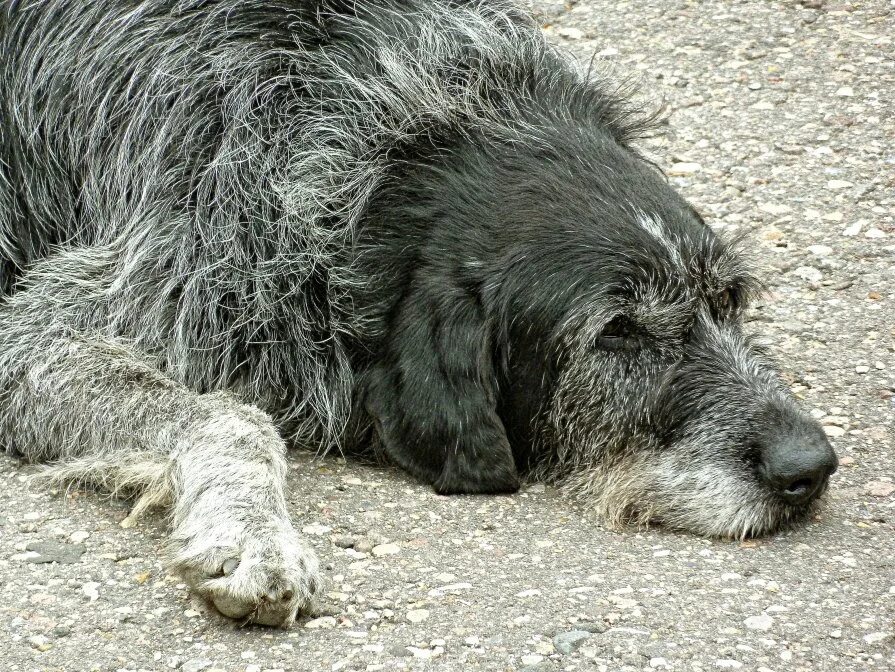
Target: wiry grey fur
{"type": "Point", "coordinates": [188, 201]}
{"type": "Point", "coordinates": [184, 190]}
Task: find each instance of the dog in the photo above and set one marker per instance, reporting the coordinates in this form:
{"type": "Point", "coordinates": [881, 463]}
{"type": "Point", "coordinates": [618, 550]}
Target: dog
{"type": "Point", "coordinates": [406, 226]}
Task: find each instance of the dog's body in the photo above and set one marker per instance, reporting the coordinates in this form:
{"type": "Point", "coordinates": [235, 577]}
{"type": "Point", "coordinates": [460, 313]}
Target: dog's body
{"type": "Point", "coordinates": [408, 223]}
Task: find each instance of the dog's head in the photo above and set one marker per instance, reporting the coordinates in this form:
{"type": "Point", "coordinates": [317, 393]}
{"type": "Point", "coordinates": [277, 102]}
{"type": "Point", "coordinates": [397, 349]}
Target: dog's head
{"type": "Point", "coordinates": [560, 309]}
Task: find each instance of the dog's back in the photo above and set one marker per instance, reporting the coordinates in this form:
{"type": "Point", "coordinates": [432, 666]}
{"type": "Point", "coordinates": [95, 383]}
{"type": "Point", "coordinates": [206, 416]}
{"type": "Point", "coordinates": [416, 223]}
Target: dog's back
{"type": "Point", "coordinates": [212, 160]}
{"type": "Point", "coordinates": [100, 123]}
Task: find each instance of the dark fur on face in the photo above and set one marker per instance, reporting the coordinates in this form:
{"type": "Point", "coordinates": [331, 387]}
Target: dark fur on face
{"type": "Point", "coordinates": [408, 216]}
{"type": "Point", "coordinates": [555, 307]}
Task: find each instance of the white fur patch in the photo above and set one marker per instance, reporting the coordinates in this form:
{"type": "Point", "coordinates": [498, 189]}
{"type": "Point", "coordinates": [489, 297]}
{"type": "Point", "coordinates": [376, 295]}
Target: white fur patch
{"type": "Point", "coordinates": [656, 228]}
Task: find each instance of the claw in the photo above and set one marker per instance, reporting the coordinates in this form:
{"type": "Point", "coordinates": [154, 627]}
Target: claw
{"type": "Point", "coordinates": [230, 566]}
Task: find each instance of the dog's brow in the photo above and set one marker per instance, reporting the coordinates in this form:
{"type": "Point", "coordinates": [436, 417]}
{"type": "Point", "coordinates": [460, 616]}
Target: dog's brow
{"type": "Point", "coordinates": [654, 226]}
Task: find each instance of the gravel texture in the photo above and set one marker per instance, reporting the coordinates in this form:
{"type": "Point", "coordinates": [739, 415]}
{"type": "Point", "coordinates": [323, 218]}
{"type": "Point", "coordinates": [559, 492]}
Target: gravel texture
{"type": "Point", "coordinates": [780, 124]}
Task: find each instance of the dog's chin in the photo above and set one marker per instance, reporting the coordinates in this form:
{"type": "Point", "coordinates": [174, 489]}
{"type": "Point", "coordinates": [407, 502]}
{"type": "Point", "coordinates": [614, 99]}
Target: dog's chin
{"type": "Point", "coordinates": [751, 520]}
{"type": "Point", "coordinates": [716, 505]}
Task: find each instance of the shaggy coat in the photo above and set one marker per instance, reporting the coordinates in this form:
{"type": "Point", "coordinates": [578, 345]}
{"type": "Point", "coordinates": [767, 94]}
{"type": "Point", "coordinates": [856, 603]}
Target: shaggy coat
{"type": "Point", "coordinates": [412, 224]}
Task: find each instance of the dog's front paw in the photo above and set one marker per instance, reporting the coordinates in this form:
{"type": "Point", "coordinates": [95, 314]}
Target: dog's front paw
{"type": "Point", "coordinates": [264, 574]}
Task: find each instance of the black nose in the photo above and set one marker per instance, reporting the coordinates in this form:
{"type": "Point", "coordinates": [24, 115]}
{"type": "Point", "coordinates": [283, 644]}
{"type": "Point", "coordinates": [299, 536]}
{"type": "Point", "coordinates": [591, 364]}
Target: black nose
{"type": "Point", "coordinates": [797, 462]}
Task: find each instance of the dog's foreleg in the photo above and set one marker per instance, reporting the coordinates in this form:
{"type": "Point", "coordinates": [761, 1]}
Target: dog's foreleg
{"type": "Point", "coordinates": [97, 410]}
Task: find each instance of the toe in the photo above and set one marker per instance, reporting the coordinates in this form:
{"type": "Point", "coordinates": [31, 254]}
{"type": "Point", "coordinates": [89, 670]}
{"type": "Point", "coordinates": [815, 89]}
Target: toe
{"type": "Point", "coordinates": [280, 594]}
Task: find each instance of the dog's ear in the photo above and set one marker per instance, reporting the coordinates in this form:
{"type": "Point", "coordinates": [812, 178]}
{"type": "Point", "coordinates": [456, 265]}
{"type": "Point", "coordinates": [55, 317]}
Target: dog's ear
{"type": "Point", "coordinates": [433, 394]}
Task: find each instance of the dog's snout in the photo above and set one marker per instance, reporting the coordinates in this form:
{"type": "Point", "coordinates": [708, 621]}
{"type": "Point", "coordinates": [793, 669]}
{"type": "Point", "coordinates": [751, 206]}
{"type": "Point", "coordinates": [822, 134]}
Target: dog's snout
{"type": "Point", "coordinates": [797, 464]}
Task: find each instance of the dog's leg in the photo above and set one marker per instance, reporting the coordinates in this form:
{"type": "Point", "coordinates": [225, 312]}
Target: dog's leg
{"type": "Point", "coordinates": [98, 410]}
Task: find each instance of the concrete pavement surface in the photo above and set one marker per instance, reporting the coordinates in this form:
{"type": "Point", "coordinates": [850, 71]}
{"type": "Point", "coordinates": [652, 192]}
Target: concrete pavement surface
{"type": "Point", "coordinates": [781, 124]}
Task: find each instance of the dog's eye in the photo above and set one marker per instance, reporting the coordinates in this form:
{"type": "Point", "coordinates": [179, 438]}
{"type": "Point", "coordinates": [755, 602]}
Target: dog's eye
{"type": "Point", "coordinates": [620, 333]}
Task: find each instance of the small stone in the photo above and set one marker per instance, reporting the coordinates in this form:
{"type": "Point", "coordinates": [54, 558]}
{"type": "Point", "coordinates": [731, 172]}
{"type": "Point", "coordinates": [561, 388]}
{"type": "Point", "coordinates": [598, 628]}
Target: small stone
{"type": "Point", "coordinates": [343, 541]}
{"type": "Point", "coordinates": [195, 665]}
{"type": "Point", "coordinates": [659, 663]}
{"type": "Point", "coordinates": [399, 651]}
{"type": "Point", "coordinates": [91, 590]}
{"type": "Point", "coordinates": [417, 615]}
{"type": "Point", "coordinates": [531, 592]}
{"type": "Point", "coordinates": [839, 184]}
{"type": "Point", "coordinates": [54, 551]}
{"type": "Point", "coordinates": [684, 168]}
{"type": "Point", "coordinates": [862, 369]}
{"type": "Point", "coordinates": [809, 273]}
{"type": "Point", "coordinates": [567, 642]}
{"type": "Point", "coordinates": [324, 622]}
{"type": "Point", "coordinates": [845, 92]}
{"type": "Point", "coordinates": [40, 643]}
{"type": "Point", "coordinates": [879, 488]}
{"type": "Point", "coordinates": [838, 420]}
{"type": "Point", "coordinates": [623, 602]}
{"type": "Point", "coordinates": [450, 589]}
{"type": "Point", "coordinates": [728, 664]}
{"type": "Point", "coordinates": [877, 637]}
{"type": "Point", "coordinates": [832, 430]}
{"type": "Point", "coordinates": [774, 208]}
{"type": "Point", "coordinates": [874, 232]}
{"type": "Point", "coordinates": [363, 545]}
{"type": "Point", "coordinates": [532, 659]}
{"type": "Point", "coordinates": [791, 149]}
{"type": "Point", "coordinates": [79, 536]}
{"type": "Point", "coordinates": [853, 229]}
{"type": "Point", "coordinates": [763, 622]}
{"type": "Point", "coordinates": [821, 250]}
{"type": "Point", "coordinates": [61, 630]}
{"type": "Point", "coordinates": [544, 647]}
{"type": "Point", "coordinates": [570, 33]}
{"type": "Point", "coordinates": [385, 549]}
{"type": "Point", "coordinates": [316, 529]}
{"type": "Point", "coordinates": [425, 654]}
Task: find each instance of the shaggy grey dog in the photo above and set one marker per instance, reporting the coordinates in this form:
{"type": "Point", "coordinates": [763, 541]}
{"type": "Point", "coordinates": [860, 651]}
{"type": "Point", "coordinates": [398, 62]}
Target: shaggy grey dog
{"type": "Point", "coordinates": [229, 226]}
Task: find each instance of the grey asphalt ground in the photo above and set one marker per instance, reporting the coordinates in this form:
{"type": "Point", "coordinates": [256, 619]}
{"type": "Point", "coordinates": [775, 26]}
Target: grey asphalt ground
{"type": "Point", "coordinates": [781, 123]}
